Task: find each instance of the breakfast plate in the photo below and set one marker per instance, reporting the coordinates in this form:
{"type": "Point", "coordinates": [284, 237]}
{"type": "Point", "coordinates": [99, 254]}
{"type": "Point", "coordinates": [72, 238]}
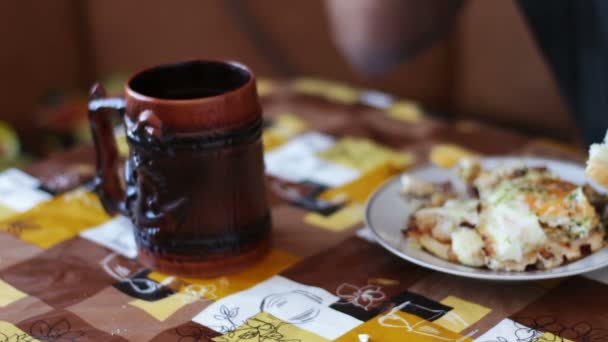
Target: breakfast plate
{"type": "Point", "coordinates": [387, 214]}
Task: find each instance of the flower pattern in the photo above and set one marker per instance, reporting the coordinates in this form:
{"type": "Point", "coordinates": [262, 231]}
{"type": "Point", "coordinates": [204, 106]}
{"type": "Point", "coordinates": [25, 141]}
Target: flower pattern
{"type": "Point", "coordinates": [580, 331]}
{"type": "Point", "coordinates": [16, 338]}
{"type": "Point", "coordinates": [366, 297]}
{"type": "Point", "coordinates": [228, 315]}
{"type": "Point", "coordinates": [58, 332]}
{"type": "Point", "coordinates": [197, 291]}
{"type": "Point", "coordinates": [17, 227]}
{"type": "Point", "coordinates": [257, 330]}
{"type": "Point", "coordinates": [550, 329]}
{"type": "Point", "coordinates": [194, 333]}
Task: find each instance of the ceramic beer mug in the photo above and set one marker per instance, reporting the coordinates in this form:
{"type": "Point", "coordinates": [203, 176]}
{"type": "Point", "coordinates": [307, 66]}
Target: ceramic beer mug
{"type": "Point", "coordinates": [193, 183]}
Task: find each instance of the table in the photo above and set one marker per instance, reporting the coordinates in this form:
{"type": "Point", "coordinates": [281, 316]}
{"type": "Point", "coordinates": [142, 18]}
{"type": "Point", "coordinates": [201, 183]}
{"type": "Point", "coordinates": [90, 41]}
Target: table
{"type": "Point", "coordinates": [67, 270]}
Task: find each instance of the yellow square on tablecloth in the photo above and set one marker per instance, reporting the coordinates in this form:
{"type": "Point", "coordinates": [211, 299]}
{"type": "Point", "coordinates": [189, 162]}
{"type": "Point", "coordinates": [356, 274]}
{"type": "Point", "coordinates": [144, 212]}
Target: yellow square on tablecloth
{"type": "Point", "coordinates": [463, 315]}
{"type": "Point", "coordinates": [284, 127]}
{"type": "Point", "coordinates": [163, 308]}
{"type": "Point", "coordinates": [361, 188]}
{"type": "Point", "coordinates": [552, 337]}
{"type": "Point", "coordinates": [406, 111]}
{"type": "Point", "coordinates": [266, 327]}
{"type": "Point", "coordinates": [59, 219]}
{"type": "Point", "coordinates": [447, 155]}
{"type": "Point", "coordinates": [342, 219]}
{"type": "Point", "coordinates": [264, 86]}
{"type": "Point", "coordinates": [398, 326]}
{"type": "Point", "coordinates": [332, 91]}
{"type": "Point", "coordinates": [310, 86]}
{"type": "Point", "coordinates": [6, 212]}
{"type": "Point", "coordinates": [10, 333]}
{"type": "Point", "coordinates": [341, 93]}
{"type": "Point", "coordinates": [121, 144]}
{"type": "Point", "coordinates": [216, 288]}
{"type": "Point", "coordinates": [365, 155]}
{"type": "Point", "coordinates": [9, 294]}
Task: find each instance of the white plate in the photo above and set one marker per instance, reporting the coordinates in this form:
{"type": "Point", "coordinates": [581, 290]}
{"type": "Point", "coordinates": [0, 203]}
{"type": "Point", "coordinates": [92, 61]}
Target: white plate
{"type": "Point", "coordinates": [387, 212]}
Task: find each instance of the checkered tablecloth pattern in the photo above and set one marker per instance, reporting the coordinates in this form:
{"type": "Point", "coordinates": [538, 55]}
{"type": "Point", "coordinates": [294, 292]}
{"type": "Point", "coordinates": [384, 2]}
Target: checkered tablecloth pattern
{"type": "Point", "coordinates": [68, 271]}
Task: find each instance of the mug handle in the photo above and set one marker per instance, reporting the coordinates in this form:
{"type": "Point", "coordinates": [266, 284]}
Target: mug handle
{"type": "Point", "coordinates": [108, 182]}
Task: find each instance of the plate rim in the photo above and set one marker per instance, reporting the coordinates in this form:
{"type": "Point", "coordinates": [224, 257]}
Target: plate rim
{"type": "Point", "coordinates": [515, 276]}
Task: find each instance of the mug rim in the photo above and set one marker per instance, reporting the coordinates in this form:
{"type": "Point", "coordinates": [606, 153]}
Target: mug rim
{"type": "Point", "coordinates": [130, 92]}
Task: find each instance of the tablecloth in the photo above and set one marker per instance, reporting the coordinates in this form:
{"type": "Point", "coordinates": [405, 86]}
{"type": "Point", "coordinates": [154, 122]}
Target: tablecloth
{"type": "Point", "coordinates": [68, 271]}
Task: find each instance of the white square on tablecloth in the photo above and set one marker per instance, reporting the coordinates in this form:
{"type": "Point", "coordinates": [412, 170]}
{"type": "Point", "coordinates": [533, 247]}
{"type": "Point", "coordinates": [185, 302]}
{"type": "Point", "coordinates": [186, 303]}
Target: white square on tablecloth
{"type": "Point", "coordinates": [376, 99]}
{"type": "Point", "coordinates": [306, 307]}
{"type": "Point", "coordinates": [116, 234]}
{"type": "Point", "coordinates": [18, 190]}
{"type": "Point", "coordinates": [509, 330]}
{"type": "Point", "coordinates": [297, 161]}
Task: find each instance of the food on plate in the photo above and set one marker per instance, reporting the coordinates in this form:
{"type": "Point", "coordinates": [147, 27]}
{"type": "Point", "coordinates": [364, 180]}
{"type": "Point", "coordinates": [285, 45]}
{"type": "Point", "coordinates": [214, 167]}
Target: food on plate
{"type": "Point", "coordinates": [597, 165]}
{"type": "Point", "coordinates": [513, 217]}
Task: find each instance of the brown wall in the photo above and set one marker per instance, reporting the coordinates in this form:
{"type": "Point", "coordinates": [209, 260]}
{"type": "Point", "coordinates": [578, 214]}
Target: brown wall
{"type": "Point", "coordinates": [487, 66]}
{"type": "Point", "coordinates": [38, 52]}
{"type": "Point", "coordinates": [297, 31]}
{"type": "Point", "coordinates": [499, 72]}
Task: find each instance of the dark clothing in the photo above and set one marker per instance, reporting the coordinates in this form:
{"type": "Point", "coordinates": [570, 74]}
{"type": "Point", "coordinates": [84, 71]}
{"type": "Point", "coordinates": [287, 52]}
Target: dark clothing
{"type": "Point", "coordinates": [573, 35]}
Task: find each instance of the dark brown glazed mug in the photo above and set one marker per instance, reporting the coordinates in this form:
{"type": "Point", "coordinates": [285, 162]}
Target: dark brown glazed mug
{"type": "Point", "coordinates": [194, 181]}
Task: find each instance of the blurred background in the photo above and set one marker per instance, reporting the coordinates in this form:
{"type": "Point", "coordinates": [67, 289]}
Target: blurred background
{"type": "Point", "coordinates": [487, 66]}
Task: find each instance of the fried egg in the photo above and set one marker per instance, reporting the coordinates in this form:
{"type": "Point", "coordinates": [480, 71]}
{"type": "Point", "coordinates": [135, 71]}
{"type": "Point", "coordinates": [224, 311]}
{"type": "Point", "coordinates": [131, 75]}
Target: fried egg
{"type": "Point", "coordinates": [515, 217]}
{"type": "Point", "coordinates": [467, 245]}
{"type": "Point", "coordinates": [511, 232]}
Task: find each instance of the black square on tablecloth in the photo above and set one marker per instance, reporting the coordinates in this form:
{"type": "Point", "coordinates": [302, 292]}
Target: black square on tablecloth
{"type": "Point", "coordinates": [141, 287]}
{"type": "Point", "coordinates": [356, 311]}
{"type": "Point", "coordinates": [420, 306]}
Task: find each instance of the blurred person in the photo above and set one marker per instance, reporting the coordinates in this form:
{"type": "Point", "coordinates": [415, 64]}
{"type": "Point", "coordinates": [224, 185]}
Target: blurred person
{"type": "Point", "coordinates": [377, 35]}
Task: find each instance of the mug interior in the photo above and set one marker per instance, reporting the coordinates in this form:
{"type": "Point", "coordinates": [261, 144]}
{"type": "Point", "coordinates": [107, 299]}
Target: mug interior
{"type": "Point", "coordinates": [190, 80]}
